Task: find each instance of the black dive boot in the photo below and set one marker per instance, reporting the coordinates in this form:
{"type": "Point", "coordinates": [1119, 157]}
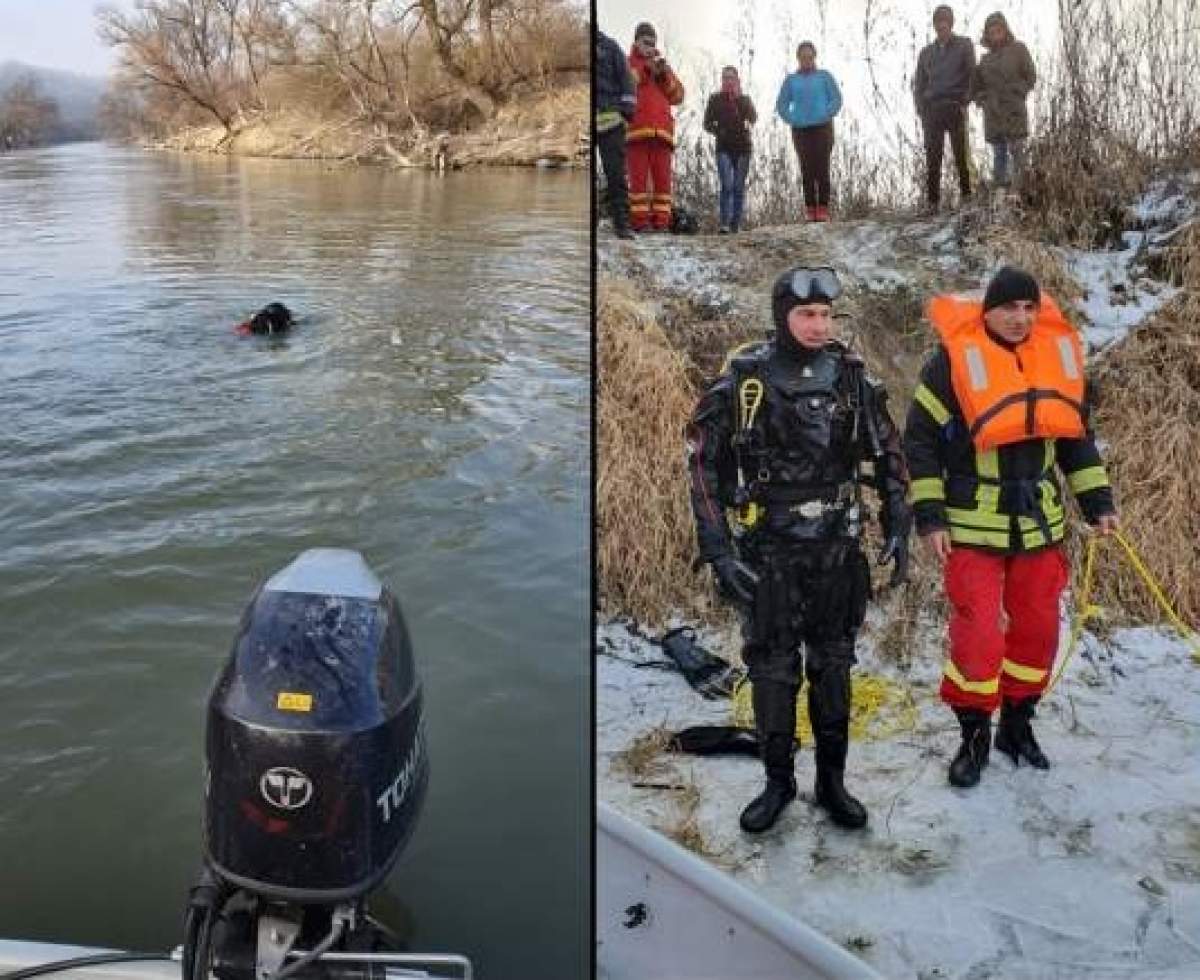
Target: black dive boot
{"type": "Point", "coordinates": [775, 719]}
{"type": "Point", "coordinates": [972, 755]}
{"type": "Point", "coordinates": [829, 712]}
{"type": "Point", "coordinates": [1014, 735]}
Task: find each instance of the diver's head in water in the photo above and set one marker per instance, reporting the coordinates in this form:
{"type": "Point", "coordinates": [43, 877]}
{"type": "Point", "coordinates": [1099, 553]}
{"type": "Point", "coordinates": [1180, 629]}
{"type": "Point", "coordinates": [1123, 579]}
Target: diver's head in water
{"type": "Point", "coordinates": [271, 319]}
{"type": "Point", "coordinates": [802, 308]}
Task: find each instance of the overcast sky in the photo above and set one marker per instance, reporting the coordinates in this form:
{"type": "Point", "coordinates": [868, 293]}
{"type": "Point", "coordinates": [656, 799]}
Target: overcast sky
{"type": "Point", "coordinates": [872, 68]}
{"type": "Point", "coordinates": [55, 34]}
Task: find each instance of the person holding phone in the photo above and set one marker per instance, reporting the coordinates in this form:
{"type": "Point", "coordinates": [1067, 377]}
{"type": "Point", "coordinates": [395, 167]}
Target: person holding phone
{"type": "Point", "coordinates": [651, 136]}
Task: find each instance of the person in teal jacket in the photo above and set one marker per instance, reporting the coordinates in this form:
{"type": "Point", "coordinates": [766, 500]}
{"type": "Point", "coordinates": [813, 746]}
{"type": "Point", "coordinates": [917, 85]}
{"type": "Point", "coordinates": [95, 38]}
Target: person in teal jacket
{"type": "Point", "coordinates": [808, 100]}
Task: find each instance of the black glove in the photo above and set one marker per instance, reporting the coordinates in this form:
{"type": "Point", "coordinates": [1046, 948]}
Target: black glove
{"type": "Point", "coordinates": [735, 581]}
{"type": "Point", "coordinates": [897, 522]}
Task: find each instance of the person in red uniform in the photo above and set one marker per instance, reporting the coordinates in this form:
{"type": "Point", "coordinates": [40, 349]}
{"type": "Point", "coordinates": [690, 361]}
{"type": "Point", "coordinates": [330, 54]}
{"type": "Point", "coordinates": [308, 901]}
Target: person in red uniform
{"type": "Point", "coordinates": [650, 139]}
{"type": "Point", "coordinates": [1000, 404]}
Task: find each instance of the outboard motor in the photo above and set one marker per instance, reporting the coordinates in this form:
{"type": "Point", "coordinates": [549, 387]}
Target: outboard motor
{"type": "Point", "coordinates": [316, 772]}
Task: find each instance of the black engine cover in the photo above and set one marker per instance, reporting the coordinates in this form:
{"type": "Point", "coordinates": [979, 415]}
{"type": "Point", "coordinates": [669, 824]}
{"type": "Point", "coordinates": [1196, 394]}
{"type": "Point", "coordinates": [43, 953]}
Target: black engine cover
{"type": "Point", "coordinates": [315, 746]}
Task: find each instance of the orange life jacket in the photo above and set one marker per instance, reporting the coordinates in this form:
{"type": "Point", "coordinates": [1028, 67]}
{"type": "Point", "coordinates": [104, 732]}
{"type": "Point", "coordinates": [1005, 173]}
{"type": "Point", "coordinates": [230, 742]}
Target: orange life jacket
{"type": "Point", "coordinates": [1034, 391]}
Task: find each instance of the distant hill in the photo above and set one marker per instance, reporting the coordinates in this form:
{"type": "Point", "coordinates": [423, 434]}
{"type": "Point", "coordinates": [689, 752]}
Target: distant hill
{"type": "Point", "coordinates": [78, 97]}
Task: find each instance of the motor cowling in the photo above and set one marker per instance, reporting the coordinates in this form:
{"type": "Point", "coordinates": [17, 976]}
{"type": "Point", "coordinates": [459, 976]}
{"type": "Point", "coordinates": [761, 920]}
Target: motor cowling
{"type": "Point", "coordinates": [315, 750]}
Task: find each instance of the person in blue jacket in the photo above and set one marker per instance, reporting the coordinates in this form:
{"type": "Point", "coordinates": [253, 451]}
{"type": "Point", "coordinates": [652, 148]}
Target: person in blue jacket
{"type": "Point", "coordinates": [808, 100]}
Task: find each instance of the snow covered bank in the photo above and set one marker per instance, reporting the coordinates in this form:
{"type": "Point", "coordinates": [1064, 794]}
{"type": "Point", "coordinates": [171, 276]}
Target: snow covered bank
{"type": "Point", "coordinates": [1089, 870]}
{"type": "Point", "coordinates": [724, 276]}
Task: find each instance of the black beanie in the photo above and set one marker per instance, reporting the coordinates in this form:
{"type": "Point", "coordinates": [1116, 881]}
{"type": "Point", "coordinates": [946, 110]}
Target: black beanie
{"type": "Point", "coordinates": [1009, 285]}
{"type": "Point", "coordinates": [645, 28]}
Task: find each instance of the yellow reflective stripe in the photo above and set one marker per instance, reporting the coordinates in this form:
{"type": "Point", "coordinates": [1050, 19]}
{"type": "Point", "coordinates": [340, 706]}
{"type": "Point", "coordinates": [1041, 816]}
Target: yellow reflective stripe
{"type": "Point", "coordinates": [1031, 675]}
{"type": "Point", "coordinates": [1048, 460]}
{"type": "Point", "coordinates": [987, 495]}
{"type": "Point", "coordinates": [985, 520]}
{"type": "Point", "coordinates": [608, 119]}
{"type": "Point", "coordinates": [997, 538]}
{"type": "Point", "coordinates": [977, 518]}
{"type": "Point", "coordinates": [990, 539]}
{"type": "Point", "coordinates": [1027, 524]}
{"type": "Point", "coordinates": [971, 687]}
{"type": "Point", "coordinates": [1035, 538]}
{"type": "Point", "coordinates": [1089, 478]}
{"type": "Point", "coordinates": [932, 404]}
{"type": "Point", "coordinates": [928, 488]}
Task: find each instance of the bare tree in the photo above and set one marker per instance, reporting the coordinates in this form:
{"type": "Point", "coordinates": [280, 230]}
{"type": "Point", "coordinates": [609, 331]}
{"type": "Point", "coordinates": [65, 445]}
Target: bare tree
{"type": "Point", "coordinates": [191, 48]}
{"type": "Point", "coordinates": [446, 23]}
{"type": "Point", "coordinates": [26, 116]}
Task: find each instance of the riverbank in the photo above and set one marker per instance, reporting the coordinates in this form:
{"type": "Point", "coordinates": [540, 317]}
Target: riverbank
{"type": "Point", "coordinates": [943, 882]}
{"type": "Point", "coordinates": [548, 129]}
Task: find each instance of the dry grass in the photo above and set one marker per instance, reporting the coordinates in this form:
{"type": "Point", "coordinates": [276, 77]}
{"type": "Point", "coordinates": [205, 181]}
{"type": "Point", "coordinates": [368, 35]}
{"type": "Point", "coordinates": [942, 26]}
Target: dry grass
{"type": "Point", "coordinates": [1147, 411]}
{"type": "Point", "coordinates": [1013, 246]}
{"type": "Point", "coordinates": [644, 524]}
{"type": "Point", "coordinates": [644, 759]}
{"type": "Point", "coordinates": [1148, 402]}
{"type": "Point", "coordinates": [686, 828]}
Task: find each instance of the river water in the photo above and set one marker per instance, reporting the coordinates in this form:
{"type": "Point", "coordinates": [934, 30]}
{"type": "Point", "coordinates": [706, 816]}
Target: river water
{"type": "Point", "coordinates": [430, 410]}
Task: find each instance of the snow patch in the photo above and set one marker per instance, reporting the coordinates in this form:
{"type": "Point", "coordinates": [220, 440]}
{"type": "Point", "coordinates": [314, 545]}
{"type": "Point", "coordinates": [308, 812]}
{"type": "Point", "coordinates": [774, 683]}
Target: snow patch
{"type": "Point", "coordinates": [1089, 870]}
{"type": "Point", "coordinates": [1116, 299]}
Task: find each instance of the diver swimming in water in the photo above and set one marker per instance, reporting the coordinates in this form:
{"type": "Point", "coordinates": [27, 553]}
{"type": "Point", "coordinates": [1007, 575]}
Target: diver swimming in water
{"type": "Point", "coordinates": [271, 319]}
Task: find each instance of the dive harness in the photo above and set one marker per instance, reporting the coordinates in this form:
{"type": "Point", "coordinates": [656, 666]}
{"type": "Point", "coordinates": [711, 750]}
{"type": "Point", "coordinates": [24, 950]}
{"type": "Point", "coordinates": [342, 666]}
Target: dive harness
{"type": "Point", "coordinates": [812, 502]}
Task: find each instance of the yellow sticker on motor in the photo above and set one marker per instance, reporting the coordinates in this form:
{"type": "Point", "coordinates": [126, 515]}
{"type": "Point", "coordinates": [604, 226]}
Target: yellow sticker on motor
{"type": "Point", "coordinates": [288, 701]}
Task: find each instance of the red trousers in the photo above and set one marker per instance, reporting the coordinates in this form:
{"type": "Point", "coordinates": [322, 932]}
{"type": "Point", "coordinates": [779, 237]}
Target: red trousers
{"type": "Point", "coordinates": [649, 183]}
{"type": "Point", "coordinates": [1003, 625]}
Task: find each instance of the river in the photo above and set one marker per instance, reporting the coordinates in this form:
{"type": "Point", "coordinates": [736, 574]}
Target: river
{"type": "Point", "coordinates": [431, 409]}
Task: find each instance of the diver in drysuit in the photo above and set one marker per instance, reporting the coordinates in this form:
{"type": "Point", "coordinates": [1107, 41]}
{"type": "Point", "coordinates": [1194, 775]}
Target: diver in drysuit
{"type": "Point", "coordinates": [781, 437]}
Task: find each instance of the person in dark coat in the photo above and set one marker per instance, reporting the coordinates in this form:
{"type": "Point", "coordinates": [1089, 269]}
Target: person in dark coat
{"type": "Point", "coordinates": [781, 438]}
{"type": "Point", "coordinates": [729, 116]}
{"type": "Point", "coordinates": [941, 90]}
{"type": "Point", "coordinates": [616, 98]}
{"type": "Point", "coordinates": [1000, 85]}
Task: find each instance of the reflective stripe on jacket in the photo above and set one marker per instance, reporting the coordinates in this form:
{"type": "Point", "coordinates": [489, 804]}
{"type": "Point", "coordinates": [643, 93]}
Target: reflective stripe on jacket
{"type": "Point", "coordinates": [1030, 390]}
{"type": "Point", "coordinates": [1007, 499]}
{"type": "Point", "coordinates": [652, 119]}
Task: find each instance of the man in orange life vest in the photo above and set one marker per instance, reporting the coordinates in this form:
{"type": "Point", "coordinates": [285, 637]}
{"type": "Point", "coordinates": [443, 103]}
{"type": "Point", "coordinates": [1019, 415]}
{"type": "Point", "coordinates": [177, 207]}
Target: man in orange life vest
{"type": "Point", "coordinates": [650, 141]}
{"type": "Point", "coordinates": [1000, 403]}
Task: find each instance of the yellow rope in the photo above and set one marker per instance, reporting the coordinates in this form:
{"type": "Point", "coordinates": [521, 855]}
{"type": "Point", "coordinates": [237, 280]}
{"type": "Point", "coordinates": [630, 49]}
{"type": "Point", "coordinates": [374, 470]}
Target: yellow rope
{"type": "Point", "coordinates": [879, 709]}
{"type": "Point", "coordinates": [1085, 609]}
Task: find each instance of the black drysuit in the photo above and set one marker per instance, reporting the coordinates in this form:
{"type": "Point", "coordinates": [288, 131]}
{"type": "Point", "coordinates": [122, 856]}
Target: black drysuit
{"type": "Point", "coordinates": [795, 460]}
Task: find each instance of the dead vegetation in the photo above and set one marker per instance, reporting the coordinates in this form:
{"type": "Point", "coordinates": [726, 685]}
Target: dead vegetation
{"type": "Point", "coordinates": [645, 537]}
{"type": "Point", "coordinates": [1147, 404]}
{"type": "Point", "coordinates": [1116, 102]}
{"type": "Point", "coordinates": [1148, 407]}
{"type": "Point", "coordinates": [362, 78]}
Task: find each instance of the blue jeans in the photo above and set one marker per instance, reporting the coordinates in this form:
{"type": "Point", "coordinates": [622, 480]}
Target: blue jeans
{"type": "Point", "coordinates": [731, 172]}
{"type": "Point", "coordinates": [1000, 155]}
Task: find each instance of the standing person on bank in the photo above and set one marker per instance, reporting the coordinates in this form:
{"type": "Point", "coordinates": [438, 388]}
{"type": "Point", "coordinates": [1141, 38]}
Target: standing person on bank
{"type": "Point", "coordinates": [729, 116]}
{"type": "Point", "coordinates": [808, 100]}
{"type": "Point", "coordinates": [782, 435]}
{"type": "Point", "coordinates": [616, 98]}
{"type": "Point", "coordinates": [1001, 85]}
{"type": "Point", "coordinates": [941, 90]}
{"type": "Point", "coordinates": [651, 136]}
{"type": "Point", "coordinates": [1001, 402]}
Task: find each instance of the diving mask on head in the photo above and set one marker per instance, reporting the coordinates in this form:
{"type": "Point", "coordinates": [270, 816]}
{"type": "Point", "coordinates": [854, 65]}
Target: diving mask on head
{"type": "Point", "coordinates": [815, 284]}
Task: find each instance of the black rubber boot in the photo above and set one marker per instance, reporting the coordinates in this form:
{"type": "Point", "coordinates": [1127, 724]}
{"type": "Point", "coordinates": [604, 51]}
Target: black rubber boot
{"type": "Point", "coordinates": [775, 720]}
{"type": "Point", "coordinates": [829, 712]}
{"type": "Point", "coordinates": [1014, 734]}
{"type": "Point", "coordinates": [762, 811]}
{"type": "Point", "coordinates": [972, 755]}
